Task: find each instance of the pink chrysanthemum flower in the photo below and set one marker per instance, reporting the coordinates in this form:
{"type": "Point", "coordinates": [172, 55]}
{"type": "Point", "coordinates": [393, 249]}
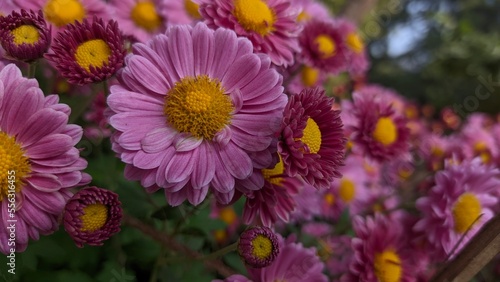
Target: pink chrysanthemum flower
{"type": "Point", "coordinates": [479, 142]}
{"type": "Point", "coordinates": [60, 13]}
{"type": "Point", "coordinates": [458, 205]}
{"type": "Point", "coordinates": [275, 199]}
{"type": "Point", "coordinates": [312, 140]}
{"type": "Point", "coordinates": [24, 36]}
{"type": "Point", "coordinates": [357, 57]}
{"type": "Point", "coordinates": [92, 216]}
{"type": "Point", "coordinates": [88, 52]}
{"type": "Point", "coordinates": [195, 108]}
{"type": "Point", "coordinates": [307, 77]}
{"type": "Point", "coordinates": [182, 11]}
{"type": "Point", "coordinates": [294, 263]}
{"type": "Point", "coordinates": [379, 130]}
{"type": "Point", "coordinates": [310, 9]}
{"type": "Point", "coordinates": [379, 252]}
{"type": "Point", "coordinates": [38, 160]}
{"type": "Point", "coordinates": [141, 19]}
{"type": "Point", "coordinates": [270, 24]}
{"type": "Point", "coordinates": [323, 46]}
{"type": "Point", "coordinates": [97, 127]}
{"type": "Point", "coordinates": [258, 246]}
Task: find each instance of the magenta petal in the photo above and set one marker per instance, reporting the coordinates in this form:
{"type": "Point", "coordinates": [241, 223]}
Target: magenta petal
{"type": "Point", "coordinates": [43, 122]}
{"type": "Point", "coordinates": [180, 167]}
{"type": "Point", "coordinates": [203, 49]}
{"type": "Point", "coordinates": [176, 198]}
{"type": "Point", "coordinates": [204, 168]}
{"type": "Point", "coordinates": [183, 143]}
{"type": "Point", "coordinates": [44, 182]}
{"type": "Point", "coordinates": [196, 196]}
{"type": "Point", "coordinates": [237, 162]}
{"type": "Point", "coordinates": [241, 72]}
{"type": "Point", "coordinates": [158, 140]}
{"type": "Point", "coordinates": [147, 161]}
{"type": "Point", "coordinates": [50, 146]}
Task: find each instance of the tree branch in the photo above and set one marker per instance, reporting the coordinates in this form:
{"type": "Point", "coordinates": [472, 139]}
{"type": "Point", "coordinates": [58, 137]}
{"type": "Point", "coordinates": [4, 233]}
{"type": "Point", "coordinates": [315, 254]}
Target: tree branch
{"type": "Point", "coordinates": [172, 244]}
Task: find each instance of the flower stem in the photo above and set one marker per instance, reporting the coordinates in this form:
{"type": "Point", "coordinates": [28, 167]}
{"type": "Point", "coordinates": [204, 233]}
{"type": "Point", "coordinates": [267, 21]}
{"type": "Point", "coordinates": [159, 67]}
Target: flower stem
{"type": "Point", "coordinates": [32, 69]}
{"type": "Point", "coordinates": [221, 252]}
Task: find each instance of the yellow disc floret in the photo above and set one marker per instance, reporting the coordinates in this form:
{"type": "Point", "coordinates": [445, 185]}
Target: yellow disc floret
{"type": "Point", "coordinates": [63, 12]}
{"type": "Point", "coordinates": [354, 43]}
{"type": "Point", "coordinates": [273, 174]}
{"type": "Point", "coordinates": [326, 46]}
{"type": "Point", "coordinates": [192, 9]}
{"type": "Point", "coordinates": [198, 105]}
{"type": "Point", "coordinates": [347, 190]}
{"type": "Point", "coordinates": [94, 53]}
{"type": "Point", "coordinates": [388, 266]}
{"type": "Point", "coordinates": [303, 16]}
{"type": "Point", "coordinates": [94, 217]}
{"type": "Point", "coordinates": [145, 16]}
{"type": "Point", "coordinates": [14, 166]}
{"type": "Point", "coordinates": [309, 76]}
{"type": "Point", "coordinates": [25, 34]}
{"type": "Point", "coordinates": [262, 247]}
{"type": "Point", "coordinates": [329, 199]}
{"type": "Point", "coordinates": [228, 215]}
{"type": "Point", "coordinates": [254, 15]}
{"type": "Point", "coordinates": [385, 131]}
{"type": "Point", "coordinates": [466, 211]}
{"type": "Point", "coordinates": [312, 136]}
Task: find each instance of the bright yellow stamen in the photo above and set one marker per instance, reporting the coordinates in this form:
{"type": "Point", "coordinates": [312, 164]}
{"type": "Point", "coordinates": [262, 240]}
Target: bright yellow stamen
{"type": "Point", "coordinates": [354, 43]}
{"type": "Point", "coordinates": [349, 145]}
{"type": "Point", "coordinates": [14, 165]}
{"type": "Point", "coordinates": [385, 131]}
{"type": "Point", "coordinates": [262, 247]}
{"type": "Point", "coordinates": [437, 151]}
{"type": "Point", "coordinates": [198, 105]}
{"type": "Point", "coordinates": [404, 173]}
{"type": "Point", "coordinates": [466, 211]}
{"type": "Point", "coordinates": [312, 136]}
{"type": "Point", "coordinates": [272, 173]}
{"type": "Point", "coordinates": [303, 16]}
{"type": "Point", "coordinates": [309, 76]}
{"type": "Point", "coordinates": [326, 46]}
{"type": "Point", "coordinates": [329, 199]}
{"type": "Point", "coordinates": [388, 266]}
{"type": "Point", "coordinates": [347, 190]}
{"type": "Point", "coordinates": [192, 9]}
{"type": "Point", "coordinates": [94, 217]}
{"type": "Point", "coordinates": [485, 157]}
{"type": "Point", "coordinates": [63, 12]}
{"type": "Point", "coordinates": [480, 146]}
{"type": "Point", "coordinates": [25, 34]}
{"type": "Point", "coordinates": [228, 215]}
{"type": "Point", "coordinates": [254, 15]}
{"type": "Point", "coordinates": [94, 53]}
{"type": "Point", "coordinates": [144, 15]}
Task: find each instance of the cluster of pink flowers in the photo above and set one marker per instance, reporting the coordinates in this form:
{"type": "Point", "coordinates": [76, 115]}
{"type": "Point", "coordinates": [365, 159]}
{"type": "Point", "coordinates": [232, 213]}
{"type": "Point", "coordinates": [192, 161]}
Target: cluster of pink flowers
{"type": "Point", "coordinates": [223, 101]}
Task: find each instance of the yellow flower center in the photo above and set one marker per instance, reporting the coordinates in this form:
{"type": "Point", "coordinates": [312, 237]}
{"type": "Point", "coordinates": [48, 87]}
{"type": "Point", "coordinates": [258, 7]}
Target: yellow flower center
{"type": "Point", "coordinates": [199, 106]}
{"type": "Point", "coordinates": [385, 131]}
{"type": "Point", "coordinates": [272, 174]}
{"type": "Point", "coordinates": [94, 217]}
{"type": "Point", "coordinates": [330, 199]}
{"type": "Point", "coordinates": [227, 215]}
{"type": "Point", "coordinates": [347, 190]}
{"type": "Point", "coordinates": [388, 266]}
{"type": "Point", "coordinates": [312, 136]}
{"type": "Point", "coordinates": [220, 235]}
{"type": "Point", "coordinates": [326, 46]}
{"type": "Point", "coordinates": [404, 173]}
{"type": "Point", "coordinates": [437, 151]}
{"type": "Point", "coordinates": [466, 211]}
{"type": "Point", "coordinates": [254, 15]}
{"type": "Point", "coordinates": [192, 9]}
{"type": "Point", "coordinates": [354, 43]}
{"type": "Point", "coordinates": [14, 166]}
{"type": "Point", "coordinates": [309, 76]}
{"type": "Point", "coordinates": [145, 16]}
{"type": "Point", "coordinates": [94, 53]}
{"type": "Point", "coordinates": [303, 16]}
{"type": "Point", "coordinates": [25, 34]}
{"type": "Point", "coordinates": [63, 12]}
{"type": "Point", "coordinates": [262, 247]}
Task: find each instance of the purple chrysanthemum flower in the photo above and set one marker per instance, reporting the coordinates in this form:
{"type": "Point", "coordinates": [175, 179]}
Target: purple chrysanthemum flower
{"type": "Point", "coordinates": [92, 216]}
{"type": "Point", "coordinates": [275, 199]}
{"type": "Point", "coordinates": [88, 52]}
{"type": "Point", "coordinates": [379, 130]}
{"type": "Point", "coordinates": [24, 36]}
{"type": "Point", "coordinates": [195, 108]}
{"type": "Point", "coordinates": [270, 24]}
{"type": "Point", "coordinates": [60, 13]}
{"type": "Point", "coordinates": [140, 19]}
{"type": "Point", "coordinates": [182, 12]}
{"type": "Point", "coordinates": [39, 163]}
{"type": "Point", "coordinates": [323, 46]}
{"type": "Point", "coordinates": [356, 56]}
{"type": "Point", "coordinates": [258, 246]}
{"type": "Point", "coordinates": [312, 141]}
{"type": "Point", "coordinates": [311, 9]}
{"type": "Point", "coordinates": [379, 252]}
{"type": "Point", "coordinates": [458, 205]}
